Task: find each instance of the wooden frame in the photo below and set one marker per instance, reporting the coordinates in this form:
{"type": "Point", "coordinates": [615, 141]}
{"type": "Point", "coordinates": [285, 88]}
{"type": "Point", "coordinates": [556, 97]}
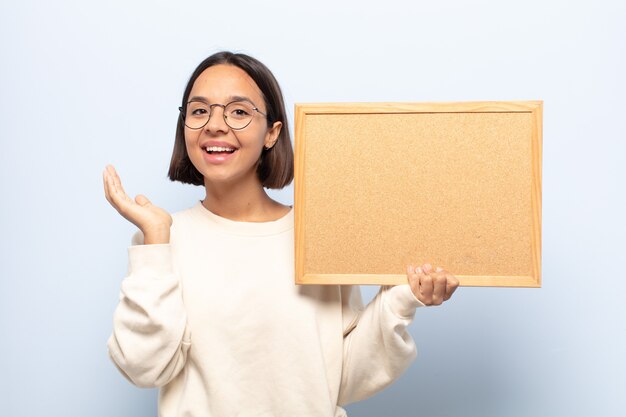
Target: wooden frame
{"type": "Point", "coordinates": [382, 185]}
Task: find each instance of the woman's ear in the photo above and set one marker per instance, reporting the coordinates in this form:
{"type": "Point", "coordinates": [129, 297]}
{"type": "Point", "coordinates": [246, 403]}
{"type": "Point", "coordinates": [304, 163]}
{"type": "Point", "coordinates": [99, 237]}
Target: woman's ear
{"type": "Point", "coordinates": [272, 135]}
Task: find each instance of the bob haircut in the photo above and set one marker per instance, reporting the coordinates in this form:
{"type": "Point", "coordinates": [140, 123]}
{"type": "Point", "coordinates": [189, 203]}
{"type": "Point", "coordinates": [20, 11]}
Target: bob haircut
{"type": "Point", "coordinates": [275, 165]}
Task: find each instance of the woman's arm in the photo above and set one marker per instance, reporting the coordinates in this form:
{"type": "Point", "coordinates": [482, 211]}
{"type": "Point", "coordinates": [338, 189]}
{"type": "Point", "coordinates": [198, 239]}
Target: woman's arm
{"type": "Point", "coordinates": [150, 339]}
{"type": "Point", "coordinates": [150, 342]}
{"type": "Point", "coordinates": [377, 346]}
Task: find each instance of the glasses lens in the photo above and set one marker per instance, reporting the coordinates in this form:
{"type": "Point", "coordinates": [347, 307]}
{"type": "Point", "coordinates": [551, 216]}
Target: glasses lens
{"type": "Point", "coordinates": [197, 114]}
{"type": "Point", "coordinates": [238, 114]}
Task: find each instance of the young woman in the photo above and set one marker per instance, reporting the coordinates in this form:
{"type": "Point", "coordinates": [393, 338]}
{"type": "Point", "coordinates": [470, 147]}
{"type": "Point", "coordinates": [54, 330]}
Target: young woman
{"type": "Point", "coordinates": [209, 311]}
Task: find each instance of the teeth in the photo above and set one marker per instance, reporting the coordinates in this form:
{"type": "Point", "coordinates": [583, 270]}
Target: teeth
{"type": "Point", "coordinates": [219, 149]}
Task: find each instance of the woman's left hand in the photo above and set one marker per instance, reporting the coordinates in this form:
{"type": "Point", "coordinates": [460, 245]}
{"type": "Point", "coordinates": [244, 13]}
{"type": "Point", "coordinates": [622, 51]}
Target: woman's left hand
{"type": "Point", "coordinates": [432, 286]}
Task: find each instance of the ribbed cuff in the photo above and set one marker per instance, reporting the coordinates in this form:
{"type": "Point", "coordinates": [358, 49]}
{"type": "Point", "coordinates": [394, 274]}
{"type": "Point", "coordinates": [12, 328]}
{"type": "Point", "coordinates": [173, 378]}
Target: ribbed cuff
{"type": "Point", "coordinates": [402, 301]}
{"type": "Point", "coordinates": [153, 261]}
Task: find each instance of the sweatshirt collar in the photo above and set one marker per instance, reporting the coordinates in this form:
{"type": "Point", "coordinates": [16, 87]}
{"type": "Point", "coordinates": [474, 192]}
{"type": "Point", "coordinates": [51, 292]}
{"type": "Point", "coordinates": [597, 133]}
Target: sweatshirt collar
{"type": "Point", "coordinates": [274, 227]}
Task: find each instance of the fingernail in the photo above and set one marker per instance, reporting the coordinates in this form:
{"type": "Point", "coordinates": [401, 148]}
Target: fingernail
{"type": "Point", "coordinates": [419, 270]}
{"type": "Point", "coordinates": [439, 269]}
{"type": "Point", "coordinates": [410, 269]}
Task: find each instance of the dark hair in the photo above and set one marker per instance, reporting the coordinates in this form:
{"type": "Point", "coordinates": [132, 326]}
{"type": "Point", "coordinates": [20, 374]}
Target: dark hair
{"type": "Point", "coordinates": [275, 166]}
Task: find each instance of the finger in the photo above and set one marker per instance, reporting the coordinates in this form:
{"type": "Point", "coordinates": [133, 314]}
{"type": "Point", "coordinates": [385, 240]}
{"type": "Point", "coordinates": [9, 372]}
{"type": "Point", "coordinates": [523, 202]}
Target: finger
{"type": "Point", "coordinates": [142, 200]}
{"type": "Point", "coordinates": [426, 289]}
{"type": "Point", "coordinates": [115, 180]}
{"type": "Point", "coordinates": [439, 288]}
{"type": "Point", "coordinates": [118, 197]}
{"type": "Point", "coordinates": [427, 268]}
{"type": "Point", "coordinates": [413, 280]}
{"type": "Point", "coordinates": [451, 286]}
{"type": "Point", "coordinates": [109, 189]}
{"type": "Point", "coordinates": [112, 179]}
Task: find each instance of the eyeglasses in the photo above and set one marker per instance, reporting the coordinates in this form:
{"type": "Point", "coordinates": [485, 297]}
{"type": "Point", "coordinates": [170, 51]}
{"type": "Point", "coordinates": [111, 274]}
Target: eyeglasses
{"type": "Point", "coordinates": [237, 114]}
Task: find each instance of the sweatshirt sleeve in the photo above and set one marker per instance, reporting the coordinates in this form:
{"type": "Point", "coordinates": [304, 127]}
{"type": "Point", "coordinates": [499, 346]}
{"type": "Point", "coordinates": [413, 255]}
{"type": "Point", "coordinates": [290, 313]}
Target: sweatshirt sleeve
{"type": "Point", "coordinates": [150, 340]}
{"type": "Point", "coordinates": [377, 347]}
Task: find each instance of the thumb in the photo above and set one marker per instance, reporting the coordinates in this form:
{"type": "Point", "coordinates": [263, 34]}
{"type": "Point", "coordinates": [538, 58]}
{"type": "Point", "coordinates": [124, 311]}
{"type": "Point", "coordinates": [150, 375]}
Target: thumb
{"type": "Point", "coordinates": [142, 200]}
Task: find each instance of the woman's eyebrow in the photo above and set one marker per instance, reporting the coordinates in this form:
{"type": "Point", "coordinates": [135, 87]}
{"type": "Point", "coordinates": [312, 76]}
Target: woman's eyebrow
{"type": "Point", "coordinates": [198, 98]}
{"type": "Point", "coordinates": [229, 99]}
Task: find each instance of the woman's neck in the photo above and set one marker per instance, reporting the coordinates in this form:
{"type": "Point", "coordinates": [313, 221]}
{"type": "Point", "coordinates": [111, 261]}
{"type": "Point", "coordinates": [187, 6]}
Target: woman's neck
{"type": "Point", "coordinates": [245, 202]}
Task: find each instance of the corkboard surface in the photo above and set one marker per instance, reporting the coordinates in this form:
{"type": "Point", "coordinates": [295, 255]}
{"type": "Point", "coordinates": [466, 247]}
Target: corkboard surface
{"type": "Point", "coordinates": [377, 190]}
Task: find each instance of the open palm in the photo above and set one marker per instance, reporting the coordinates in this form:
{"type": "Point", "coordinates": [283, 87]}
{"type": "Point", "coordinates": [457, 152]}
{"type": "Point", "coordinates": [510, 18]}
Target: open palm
{"type": "Point", "coordinates": [153, 221]}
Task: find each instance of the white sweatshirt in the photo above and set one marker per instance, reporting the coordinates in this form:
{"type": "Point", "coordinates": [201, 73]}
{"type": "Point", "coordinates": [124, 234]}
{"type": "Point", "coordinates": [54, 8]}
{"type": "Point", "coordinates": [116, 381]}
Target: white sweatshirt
{"type": "Point", "coordinates": [215, 320]}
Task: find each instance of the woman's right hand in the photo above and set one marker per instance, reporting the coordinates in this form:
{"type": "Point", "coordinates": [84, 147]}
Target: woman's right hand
{"type": "Point", "coordinates": [153, 221]}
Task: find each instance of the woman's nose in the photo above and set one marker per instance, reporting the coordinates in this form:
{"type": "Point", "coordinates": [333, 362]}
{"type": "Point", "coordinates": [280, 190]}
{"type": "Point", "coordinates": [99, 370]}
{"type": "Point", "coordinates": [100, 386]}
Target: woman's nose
{"type": "Point", "coordinates": [216, 122]}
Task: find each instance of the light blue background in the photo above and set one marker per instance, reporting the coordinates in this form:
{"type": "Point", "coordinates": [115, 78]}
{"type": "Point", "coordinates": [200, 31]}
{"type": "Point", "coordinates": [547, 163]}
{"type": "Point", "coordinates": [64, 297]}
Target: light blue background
{"type": "Point", "coordinates": [83, 84]}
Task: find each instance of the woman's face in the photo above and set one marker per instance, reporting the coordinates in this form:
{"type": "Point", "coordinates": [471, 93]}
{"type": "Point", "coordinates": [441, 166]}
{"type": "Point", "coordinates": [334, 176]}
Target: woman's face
{"type": "Point", "coordinates": [223, 155]}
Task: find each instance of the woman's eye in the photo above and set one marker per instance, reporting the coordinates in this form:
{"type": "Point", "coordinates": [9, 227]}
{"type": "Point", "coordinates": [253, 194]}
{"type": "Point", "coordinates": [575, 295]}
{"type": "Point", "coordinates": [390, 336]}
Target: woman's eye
{"type": "Point", "coordinates": [240, 112]}
{"type": "Point", "coordinates": [198, 112]}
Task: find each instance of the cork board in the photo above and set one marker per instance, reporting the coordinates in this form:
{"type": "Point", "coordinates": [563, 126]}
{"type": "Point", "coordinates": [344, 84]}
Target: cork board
{"type": "Point", "coordinates": [379, 186]}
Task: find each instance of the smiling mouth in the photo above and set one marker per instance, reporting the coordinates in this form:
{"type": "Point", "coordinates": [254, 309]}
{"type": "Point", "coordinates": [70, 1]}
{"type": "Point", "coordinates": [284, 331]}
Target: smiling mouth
{"type": "Point", "coordinates": [216, 150]}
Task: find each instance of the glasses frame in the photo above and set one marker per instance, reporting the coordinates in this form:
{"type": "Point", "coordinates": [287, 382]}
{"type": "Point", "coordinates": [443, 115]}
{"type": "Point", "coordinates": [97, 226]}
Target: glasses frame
{"type": "Point", "coordinates": [223, 106]}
